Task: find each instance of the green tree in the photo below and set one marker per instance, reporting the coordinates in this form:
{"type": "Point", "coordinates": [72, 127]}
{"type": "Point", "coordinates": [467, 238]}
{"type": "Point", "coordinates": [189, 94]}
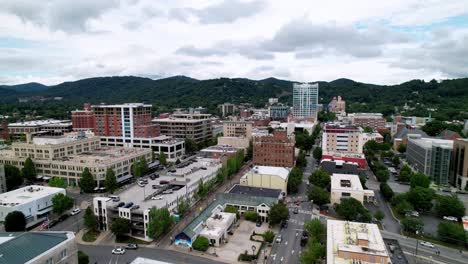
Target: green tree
{"type": "Point", "coordinates": [404, 207]}
{"type": "Point", "coordinates": [405, 174]}
{"type": "Point", "coordinates": [317, 153]}
{"type": "Point", "coordinates": [82, 258]}
{"type": "Point", "coordinates": [231, 209]}
{"type": "Point", "coordinates": [421, 180]}
{"type": "Point", "coordinates": [368, 129]}
{"type": "Point", "coordinates": [434, 128]}
{"type": "Point", "coordinates": [162, 158]}
{"type": "Point", "coordinates": [13, 177]}
{"type": "Point", "coordinates": [315, 228]}
{"type": "Point", "coordinates": [57, 182]}
{"type": "Point", "coordinates": [449, 206]}
{"type": "Point", "coordinates": [160, 221]}
{"type": "Point", "coordinates": [399, 198]}
{"type": "Point", "coordinates": [61, 203]}
{"type": "Point", "coordinates": [120, 227]}
{"type": "Point", "coordinates": [452, 233]}
{"type": "Point", "coordinates": [294, 180]}
{"type": "Point", "coordinates": [320, 178]}
{"type": "Point", "coordinates": [421, 198]}
{"type": "Point", "coordinates": [386, 191]}
{"type": "Point", "coordinates": [269, 236]}
{"type": "Point", "coordinates": [412, 225]}
{"type": "Point", "coordinates": [278, 213]}
{"type": "Point", "coordinates": [153, 157]}
{"type": "Point", "coordinates": [379, 215]}
{"type": "Point", "coordinates": [201, 244]}
{"type": "Point", "coordinates": [363, 181]}
{"type": "Point", "coordinates": [401, 148]}
{"type": "Point", "coordinates": [110, 181]}
{"type": "Point", "coordinates": [319, 196]}
{"type": "Point", "coordinates": [87, 183]}
{"type": "Point", "coordinates": [29, 170]}
{"type": "Point", "coordinates": [352, 210]}
{"type": "Point", "coordinates": [396, 160]}
{"type": "Point", "coordinates": [382, 175]}
{"type": "Point", "coordinates": [182, 207]}
{"type": "Point", "coordinates": [15, 222]}
{"type": "Point", "coordinates": [301, 160]}
{"type": "Point", "coordinates": [143, 165]}
{"type": "Point", "coordinates": [251, 216]}
{"type": "Point", "coordinates": [89, 219]}
{"type": "Point", "coordinates": [313, 254]}
{"type": "Point", "coordinates": [249, 151]}
{"type": "Point", "coordinates": [201, 190]}
{"type": "Point", "coordinates": [190, 145]}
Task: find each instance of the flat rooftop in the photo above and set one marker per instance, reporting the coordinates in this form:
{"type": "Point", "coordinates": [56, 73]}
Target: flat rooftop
{"type": "Point", "coordinates": [27, 194]}
{"type": "Point", "coordinates": [282, 172]}
{"type": "Point", "coordinates": [429, 142]}
{"type": "Point", "coordinates": [190, 174]}
{"type": "Point", "coordinates": [36, 123]}
{"type": "Point", "coordinates": [220, 148]}
{"type": "Point", "coordinates": [104, 155]}
{"type": "Point", "coordinates": [346, 182]}
{"type": "Point", "coordinates": [343, 236]}
{"type": "Point", "coordinates": [255, 191]}
{"type": "Point", "coordinates": [122, 105]}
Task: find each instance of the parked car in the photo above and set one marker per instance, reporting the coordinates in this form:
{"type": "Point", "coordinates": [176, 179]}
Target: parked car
{"type": "Point", "coordinates": [154, 176]}
{"type": "Point", "coordinates": [163, 182]}
{"type": "Point", "coordinates": [63, 217]}
{"type": "Point", "coordinates": [156, 186]}
{"type": "Point", "coordinates": [304, 240]}
{"type": "Point", "coordinates": [118, 251]}
{"type": "Point", "coordinates": [426, 244]}
{"type": "Point", "coordinates": [51, 223]}
{"type": "Point", "coordinates": [258, 224]}
{"type": "Point", "coordinates": [75, 211]}
{"type": "Point", "coordinates": [296, 210]}
{"type": "Point", "coordinates": [279, 238]}
{"type": "Point", "coordinates": [131, 246]}
{"type": "Point", "coordinates": [157, 197]}
{"type": "Point", "coordinates": [450, 218]}
{"type": "Point", "coordinates": [168, 191]}
{"type": "Point", "coordinates": [115, 198]}
{"type": "Point", "coordinates": [172, 171]}
{"type": "Point", "coordinates": [136, 206]}
{"type": "Point", "coordinates": [119, 205]}
{"type": "Point", "coordinates": [284, 224]}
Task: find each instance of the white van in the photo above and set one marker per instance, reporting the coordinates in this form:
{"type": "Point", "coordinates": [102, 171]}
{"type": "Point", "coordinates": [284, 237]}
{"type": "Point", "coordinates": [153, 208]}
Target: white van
{"type": "Point", "coordinates": [115, 198]}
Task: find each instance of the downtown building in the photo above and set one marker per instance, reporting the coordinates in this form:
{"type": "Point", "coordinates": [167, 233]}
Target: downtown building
{"type": "Point", "coordinates": [274, 150]}
{"type": "Point", "coordinates": [376, 121]}
{"type": "Point", "coordinates": [459, 167]}
{"type": "Point", "coordinates": [305, 101]}
{"type": "Point", "coordinates": [430, 156]}
{"type": "Point", "coordinates": [83, 119]}
{"type": "Point", "coordinates": [337, 105]}
{"type": "Point", "coordinates": [196, 127]}
{"type": "Point", "coordinates": [130, 125]}
{"type": "Point", "coordinates": [346, 138]}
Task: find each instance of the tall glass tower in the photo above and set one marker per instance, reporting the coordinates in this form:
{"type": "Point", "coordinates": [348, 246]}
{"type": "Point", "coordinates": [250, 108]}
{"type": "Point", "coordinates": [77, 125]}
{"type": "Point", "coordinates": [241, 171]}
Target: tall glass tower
{"type": "Point", "coordinates": [305, 100]}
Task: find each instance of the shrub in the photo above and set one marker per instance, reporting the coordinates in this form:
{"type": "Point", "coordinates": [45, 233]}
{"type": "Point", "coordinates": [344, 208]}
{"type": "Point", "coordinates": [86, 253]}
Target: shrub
{"type": "Point", "coordinates": [201, 244]}
{"type": "Point", "coordinates": [269, 236]}
{"type": "Point", "coordinates": [82, 258]}
{"type": "Point", "coordinates": [251, 216]}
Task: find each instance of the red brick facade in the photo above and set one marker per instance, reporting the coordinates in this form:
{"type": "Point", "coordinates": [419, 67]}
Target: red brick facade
{"type": "Point", "coordinates": [276, 150]}
{"type": "Point", "coordinates": [83, 119]}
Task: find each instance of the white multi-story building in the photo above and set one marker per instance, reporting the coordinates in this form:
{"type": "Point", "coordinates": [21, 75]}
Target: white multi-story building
{"type": "Point", "coordinates": [169, 189]}
{"type": "Point", "coordinates": [345, 186]}
{"type": "Point", "coordinates": [346, 138]}
{"type": "Point", "coordinates": [34, 201]}
{"type": "Point", "coordinates": [305, 100]}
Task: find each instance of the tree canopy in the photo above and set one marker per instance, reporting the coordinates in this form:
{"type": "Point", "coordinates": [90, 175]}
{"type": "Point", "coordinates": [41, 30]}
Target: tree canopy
{"type": "Point", "coordinates": [352, 210]}
{"type": "Point", "coordinates": [421, 180]}
{"type": "Point", "coordinates": [120, 226]}
{"type": "Point", "coordinates": [449, 206]}
{"type": "Point", "coordinates": [57, 182]}
{"type": "Point", "coordinates": [278, 213]}
{"type": "Point", "coordinates": [90, 220]}
{"type": "Point", "coordinates": [87, 183]}
{"type": "Point", "coordinates": [15, 222]}
{"type": "Point", "coordinates": [421, 198]}
{"type": "Point", "coordinates": [110, 181]}
{"type": "Point", "coordinates": [160, 220]}
{"type": "Point", "coordinates": [318, 195]}
{"type": "Point", "coordinates": [29, 170]}
{"type": "Point", "coordinates": [320, 178]}
{"type": "Point", "coordinates": [294, 180]}
{"type": "Point", "coordinates": [13, 177]}
{"type": "Point", "coordinates": [62, 203]}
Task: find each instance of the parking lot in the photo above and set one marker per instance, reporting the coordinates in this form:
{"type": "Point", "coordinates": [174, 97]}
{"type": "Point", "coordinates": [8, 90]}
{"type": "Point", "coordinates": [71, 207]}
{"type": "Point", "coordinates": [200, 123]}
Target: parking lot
{"type": "Point", "coordinates": [240, 241]}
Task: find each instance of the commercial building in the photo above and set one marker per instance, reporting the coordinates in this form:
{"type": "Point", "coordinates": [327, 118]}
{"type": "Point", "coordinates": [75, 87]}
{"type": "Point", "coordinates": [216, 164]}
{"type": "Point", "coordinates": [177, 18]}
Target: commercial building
{"type": "Point", "coordinates": [3, 187]}
{"type": "Point", "coordinates": [227, 109]}
{"type": "Point", "coordinates": [459, 168]}
{"type": "Point", "coordinates": [239, 143]}
{"type": "Point", "coordinates": [375, 121]}
{"type": "Point", "coordinates": [353, 158]}
{"type": "Point", "coordinates": [339, 166]}
{"type": "Point", "coordinates": [83, 119]}
{"type": "Point", "coordinates": [260, 205]}
{"type": "Point", "coordinates": [401, 136]}
{"type": "Point", "coordinates": [237, 129]}
{"type": "Point", "coordinates": [267, 177]}
{"type": "Point", "coordinates": [256, 191]}
{"type": "Point", "coordinates": [38, 247]}
{"type": "Point", "coordinates": [279, 111]}
{"type": "Point", "coordinates": [344, 186]}
{"type": "Point", "coordinates": [67, 156]}
{"type": "Point", "coordinates": [218, 151]}
{"type": "Point", "coordinates": [126, 121]}
{"type": "Point", "coordinates": [354, 242]}
{"type": "Point", "coordinates": [170, 190]}
{"type": "Point", "coordinates": [48, 127]}
{"type": "Point", "coordinates": [337, 105]}
{"type": "Point", "coordinates": [184, 125]}
{"type": "Point", "coordinates": [430, 156]}
{"type": "Point", "coordinates": [4, 135]}
{"type": "Point", "coordinates": [34, 201]}
{"type": "Point", "coordinates": [305, 101]}
{"type": "Point", "coordinates": [274, 150]}
{"type": "Point", "coordinates": [346, 138]}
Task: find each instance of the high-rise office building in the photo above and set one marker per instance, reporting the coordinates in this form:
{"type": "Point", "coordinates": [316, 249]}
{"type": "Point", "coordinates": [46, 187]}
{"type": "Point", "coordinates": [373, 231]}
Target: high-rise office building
{"type": "Point", "coordinates": [459, 167]}
{"type": "Point", "coordinates": [305, 100]}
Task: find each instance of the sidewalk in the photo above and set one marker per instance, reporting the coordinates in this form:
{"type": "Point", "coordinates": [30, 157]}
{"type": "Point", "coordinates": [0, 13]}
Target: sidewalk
{"type": "Point", "coordinates": [102, 236]}
{"type": "Point", "coordinates": [194, 253]}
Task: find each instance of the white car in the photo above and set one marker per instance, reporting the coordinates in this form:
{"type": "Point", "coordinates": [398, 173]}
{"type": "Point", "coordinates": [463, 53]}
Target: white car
{"type": "Point", "coordinates": [75, 211]}
{"type": "Point", "coordinates": [279, 239]}
{"type": "Point", "coordinates": [118, 251]}
{"type": "Point", "coordinates": [426, 244]}
{"type": "Point", "coordinates": [450, 218]}
{"type": "Point", "coordinates": [157, 197]}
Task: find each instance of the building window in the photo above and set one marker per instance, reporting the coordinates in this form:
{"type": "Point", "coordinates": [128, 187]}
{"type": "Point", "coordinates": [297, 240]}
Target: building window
{"type": "Point", "coordinates": [49, 261]}
{"type": "Point", "coordinates": [63, 254]}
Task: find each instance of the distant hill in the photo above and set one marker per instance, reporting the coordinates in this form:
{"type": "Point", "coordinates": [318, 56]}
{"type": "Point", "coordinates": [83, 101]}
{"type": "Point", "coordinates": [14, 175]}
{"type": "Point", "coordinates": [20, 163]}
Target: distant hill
{"type": "Point", "coordinates": [449, 97]}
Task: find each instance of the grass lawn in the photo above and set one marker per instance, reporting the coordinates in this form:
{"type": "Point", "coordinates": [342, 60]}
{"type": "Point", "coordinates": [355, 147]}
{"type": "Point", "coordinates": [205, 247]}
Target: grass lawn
{"type": "Point", "coordinates": [396, 214]}
{"type": "Point", "coordinates": [90, 236]}
{"type": "Point", "coordinates": [130, 240]}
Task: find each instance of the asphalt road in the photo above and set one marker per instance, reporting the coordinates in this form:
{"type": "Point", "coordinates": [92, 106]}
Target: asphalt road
{"type": "Point", "coordinates": [103, 254]}
{"type": "Point", "coordinates": [289, 250]}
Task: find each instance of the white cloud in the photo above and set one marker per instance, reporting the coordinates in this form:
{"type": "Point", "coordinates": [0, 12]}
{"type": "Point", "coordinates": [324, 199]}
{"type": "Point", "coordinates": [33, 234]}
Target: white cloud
{"type": "Point", "coordinates": [308, 40]}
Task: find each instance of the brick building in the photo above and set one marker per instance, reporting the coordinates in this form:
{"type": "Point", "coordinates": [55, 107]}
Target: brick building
{"type": "Point", "coordinates": [274, 150]}
{"type": "Point", "coordinates": [83, 119]}
{"type": "Point", "coordinates": [375, 121]}
{"type": "Point", "coordinates": [197, 127]}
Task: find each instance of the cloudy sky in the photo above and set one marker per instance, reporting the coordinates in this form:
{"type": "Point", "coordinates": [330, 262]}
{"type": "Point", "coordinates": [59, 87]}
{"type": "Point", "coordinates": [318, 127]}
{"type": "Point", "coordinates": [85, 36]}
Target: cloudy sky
{"type": "Point", "coordinates": [382, 42]}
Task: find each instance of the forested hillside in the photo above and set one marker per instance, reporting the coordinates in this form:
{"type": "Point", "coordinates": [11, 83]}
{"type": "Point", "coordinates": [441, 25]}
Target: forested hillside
{"type": "Point", "coordinates": [449, 98]}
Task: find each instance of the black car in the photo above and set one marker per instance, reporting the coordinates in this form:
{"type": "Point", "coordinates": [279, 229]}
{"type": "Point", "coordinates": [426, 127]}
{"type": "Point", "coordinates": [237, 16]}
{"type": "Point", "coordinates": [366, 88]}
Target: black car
{"type": "Point", "coordinates": [258, 224]}
{"type": "Point", "coordinates": [52, 223]}
{"type": "Point", "coordinates": [131, 246]}
{"type": "Point", "coordinates": [284, 224]}
{"type": "Point", "coordinates": [63, 217]}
